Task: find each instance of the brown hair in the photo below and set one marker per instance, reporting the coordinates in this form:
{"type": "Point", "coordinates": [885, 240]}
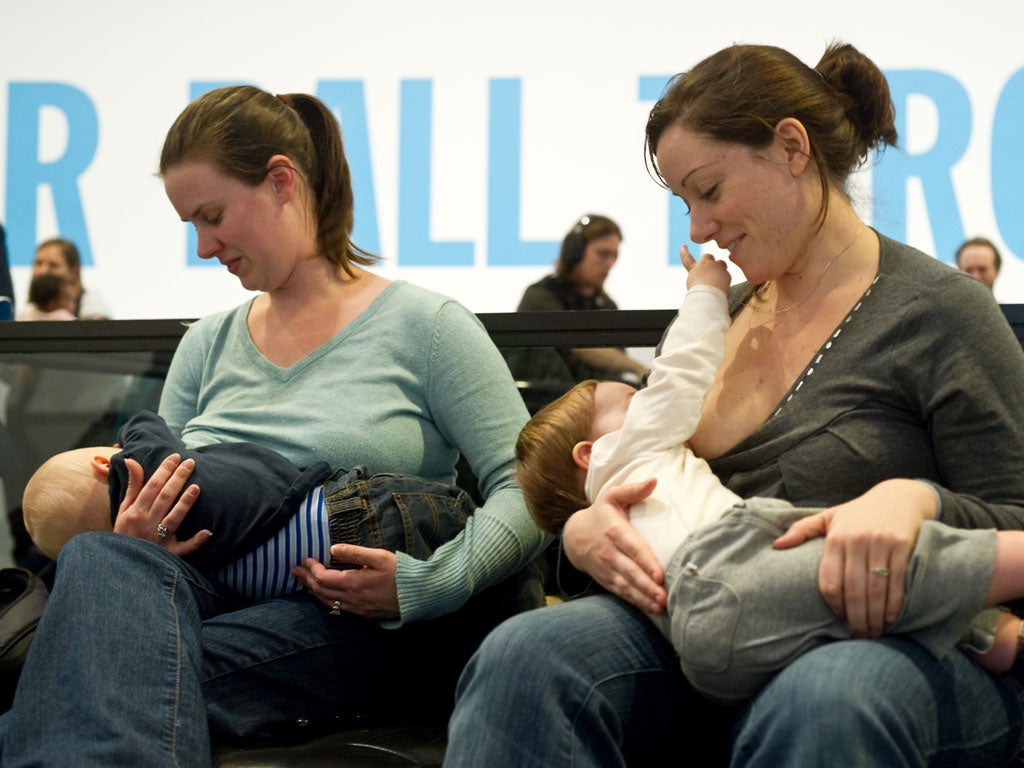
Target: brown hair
{"type": "Point", "coordinates": [68, 251]}
{"type": "Point", "coordinates": [545, 468]}
{"type": "Point", "coordinates": [739, 94]}
{"type": "Point", "coordinates": [239, 128]}
{"type": "Point", "coordinates": [47, 291]}
{"type": "Point", "coordinates": [587, 229]}
{"type": "Point", "coordinates": [980, 241]}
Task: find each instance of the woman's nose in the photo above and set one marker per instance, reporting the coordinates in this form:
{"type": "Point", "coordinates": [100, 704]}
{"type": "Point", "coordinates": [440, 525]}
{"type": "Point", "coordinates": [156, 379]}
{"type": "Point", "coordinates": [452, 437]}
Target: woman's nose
{"type": "Point", "coordinates": [702, 227]}
{"type": "Point", "coordinates": [208, 246]}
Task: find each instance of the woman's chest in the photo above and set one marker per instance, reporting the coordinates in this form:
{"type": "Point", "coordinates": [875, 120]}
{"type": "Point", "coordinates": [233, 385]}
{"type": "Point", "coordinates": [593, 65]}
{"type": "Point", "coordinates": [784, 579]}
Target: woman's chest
{"type": "Point", "coordinates": [762, 363]}
{"type": "Point", "coordinates": [286, 344]}
{"type": "Point", "coordinates": [770, 356]}
{"type": "Point", "coordinates": [346, 409]}
{"type": "Point", "coordinates": [830, 447]}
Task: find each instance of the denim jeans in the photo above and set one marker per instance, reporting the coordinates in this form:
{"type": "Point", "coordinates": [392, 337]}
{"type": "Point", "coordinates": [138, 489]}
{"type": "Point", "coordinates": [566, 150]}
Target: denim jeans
{"type": "Point", "coordinates": [593, 683]}
{"type": "Point", "coordinates": [391, 511]}
{"type": "Point", "coordinates": [82, 698]}
{"type": "Point", "coordinates": [138, 652]}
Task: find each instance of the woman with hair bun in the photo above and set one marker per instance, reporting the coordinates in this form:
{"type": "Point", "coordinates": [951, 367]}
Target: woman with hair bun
{"type": "Point", "coordinates": [850, 359]}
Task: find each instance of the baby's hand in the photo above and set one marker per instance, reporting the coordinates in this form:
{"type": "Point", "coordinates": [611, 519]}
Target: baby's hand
{"type": "Point", "coordinates": [707, 271]}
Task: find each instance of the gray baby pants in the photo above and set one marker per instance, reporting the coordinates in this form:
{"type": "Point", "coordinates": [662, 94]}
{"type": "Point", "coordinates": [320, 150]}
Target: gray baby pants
{"type": "Point", "coordinates": [739, 611]}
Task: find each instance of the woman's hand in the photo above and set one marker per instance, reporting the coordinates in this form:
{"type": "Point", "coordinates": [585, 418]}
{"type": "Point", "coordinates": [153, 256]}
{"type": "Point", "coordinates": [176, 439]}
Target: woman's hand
{"type": "Point", "coordinates": [868, 543]}
{"type": "Point", "coordinates": [601, 541]}
{"type": "Point", "coordinates": [369, 591]}
{"type": "Point", "coordinates": [154, 510]}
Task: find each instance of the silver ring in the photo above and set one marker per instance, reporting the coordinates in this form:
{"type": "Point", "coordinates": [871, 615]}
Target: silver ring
{"type": "Point", "coordinates": [880, 570]}
{"type": "Point", "coordinates": [336, 608]}
{"type": "Point", "coordinates": [161, 531]}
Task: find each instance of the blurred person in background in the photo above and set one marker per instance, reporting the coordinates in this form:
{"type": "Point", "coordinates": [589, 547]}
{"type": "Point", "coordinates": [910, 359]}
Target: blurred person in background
{"type": "Point", "coordinates": [588, 253]}
{"type": "Point", "coordinates": [58, 256]}
{"type": "Point", "coordinates": [979, 258]}
{"type": "Point", "coordinates": [6, 284]}
{"type": "Point", "coordinates": [49, 298]}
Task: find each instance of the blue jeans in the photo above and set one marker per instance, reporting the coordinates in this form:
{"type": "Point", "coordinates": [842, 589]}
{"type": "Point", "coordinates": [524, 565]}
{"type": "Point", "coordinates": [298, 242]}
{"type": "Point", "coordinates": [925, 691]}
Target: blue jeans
{"type": "Point", "coordinates": [601, 687]}
{"type": "Point", "coordinates": [138, 652]}
{"type": "Point", "coordinates": [395, 512]}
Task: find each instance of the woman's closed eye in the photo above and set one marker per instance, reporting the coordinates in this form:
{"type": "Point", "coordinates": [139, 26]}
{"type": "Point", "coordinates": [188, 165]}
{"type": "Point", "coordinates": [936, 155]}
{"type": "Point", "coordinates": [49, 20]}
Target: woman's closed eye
{"type": "Point", "coordinates": [709, 194]}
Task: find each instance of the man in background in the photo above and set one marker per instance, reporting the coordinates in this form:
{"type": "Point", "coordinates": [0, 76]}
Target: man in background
{"type": "Point", "coordinates": [979, 258]}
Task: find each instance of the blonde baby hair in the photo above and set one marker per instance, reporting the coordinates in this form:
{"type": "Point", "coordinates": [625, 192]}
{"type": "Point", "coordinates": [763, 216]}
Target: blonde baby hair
{"type": "Point", "coordinates": [66, 496]}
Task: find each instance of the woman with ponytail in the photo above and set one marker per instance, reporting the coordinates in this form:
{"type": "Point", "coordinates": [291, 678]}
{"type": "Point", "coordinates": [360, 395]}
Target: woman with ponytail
{"type": "Point", "coordinates": [141, 659]}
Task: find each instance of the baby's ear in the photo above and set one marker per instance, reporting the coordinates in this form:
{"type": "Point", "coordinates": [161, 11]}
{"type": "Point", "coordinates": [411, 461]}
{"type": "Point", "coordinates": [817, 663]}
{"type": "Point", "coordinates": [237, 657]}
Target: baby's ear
{"type": "Point", "coordinates": [101, 467]}
{"type": "Point", "coordinates": [581, 453]}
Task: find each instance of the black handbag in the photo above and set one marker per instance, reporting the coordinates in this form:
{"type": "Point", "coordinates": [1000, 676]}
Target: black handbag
{"type": "Point", "coordinates": [22, 599]}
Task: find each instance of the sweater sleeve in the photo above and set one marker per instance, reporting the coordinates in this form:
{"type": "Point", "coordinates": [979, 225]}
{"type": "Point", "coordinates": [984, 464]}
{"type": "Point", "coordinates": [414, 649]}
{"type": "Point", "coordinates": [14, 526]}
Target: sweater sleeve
{"type": "Point", "coordinates": [475, 404]}
{"type": "Point", "coordinates": [179, 400]}
{"type": "Point", "coordinates": [963, 366]}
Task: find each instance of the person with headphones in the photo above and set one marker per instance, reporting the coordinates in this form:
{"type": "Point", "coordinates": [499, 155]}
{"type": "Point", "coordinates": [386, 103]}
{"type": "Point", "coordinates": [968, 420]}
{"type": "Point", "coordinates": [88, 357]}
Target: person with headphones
{"type": "Point", "coordinates": [588, 253]}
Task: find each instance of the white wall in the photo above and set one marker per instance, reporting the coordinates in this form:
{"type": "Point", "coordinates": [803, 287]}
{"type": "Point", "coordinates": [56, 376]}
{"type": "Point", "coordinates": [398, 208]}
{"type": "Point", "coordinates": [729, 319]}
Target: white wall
{"type": "Point", "coordinates": [578, 66]}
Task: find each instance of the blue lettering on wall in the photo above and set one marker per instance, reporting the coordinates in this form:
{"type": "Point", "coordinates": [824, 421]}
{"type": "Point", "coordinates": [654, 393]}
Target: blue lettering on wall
{"type": "Point", "coordinates": [415, 248]}
{"type": "Point", "coordinates": [933, 166]}
{"type": "Point", "coordinates": [26, 172]}
{"type": "Point", "coordinates": [650, 89]}
{"type": "Point", "coordinates": [504, 183]}
{"type": "Point", "coordinates": [1008, 163]}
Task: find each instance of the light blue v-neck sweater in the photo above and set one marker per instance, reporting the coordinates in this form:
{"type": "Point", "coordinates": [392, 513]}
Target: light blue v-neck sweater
{"type": "Point", "coordinates": [413, 381]}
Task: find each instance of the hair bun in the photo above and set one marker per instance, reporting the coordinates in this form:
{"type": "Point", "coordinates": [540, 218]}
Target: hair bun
{"type": "Point", "coordinates": [864, 92]}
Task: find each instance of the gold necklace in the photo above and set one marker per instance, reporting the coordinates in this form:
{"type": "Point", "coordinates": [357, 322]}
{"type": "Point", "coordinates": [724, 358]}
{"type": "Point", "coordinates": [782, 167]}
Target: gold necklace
{"type": "Point", "coordinates": [761, 289]}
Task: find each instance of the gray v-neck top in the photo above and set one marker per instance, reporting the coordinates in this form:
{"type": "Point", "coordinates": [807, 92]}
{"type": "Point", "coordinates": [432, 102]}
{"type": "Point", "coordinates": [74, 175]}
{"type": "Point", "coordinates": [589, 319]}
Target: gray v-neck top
{"type": "Point", "coordinates": [924, 379]}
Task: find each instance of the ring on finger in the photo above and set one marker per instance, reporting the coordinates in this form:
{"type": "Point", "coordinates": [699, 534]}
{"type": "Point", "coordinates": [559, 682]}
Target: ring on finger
{"type": "Point", "coordinates": [161, 531]}
{"type": "Point", "coordinates": [880, 570]}
{"type": "Point", "coordinates": [336, 608]}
